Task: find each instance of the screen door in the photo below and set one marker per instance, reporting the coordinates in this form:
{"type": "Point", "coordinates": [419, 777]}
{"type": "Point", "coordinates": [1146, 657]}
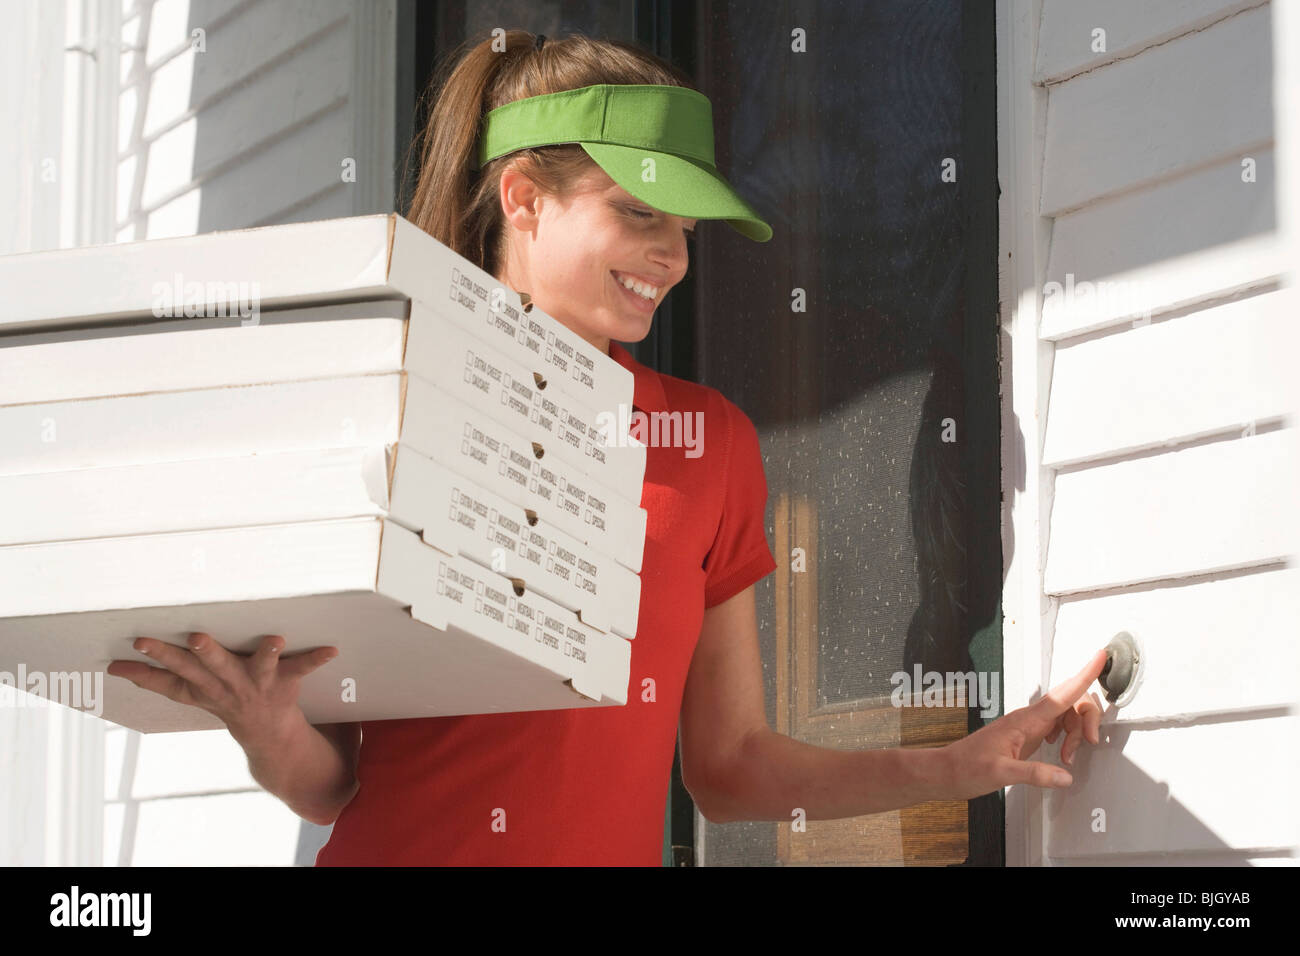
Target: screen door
{"type": "Point", "coordinates": [862, 342]}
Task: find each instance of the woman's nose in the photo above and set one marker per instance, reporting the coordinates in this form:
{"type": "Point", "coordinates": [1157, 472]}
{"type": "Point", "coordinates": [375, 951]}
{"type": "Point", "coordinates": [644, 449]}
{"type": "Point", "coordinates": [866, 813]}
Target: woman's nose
{"type": "Point", "coordinates": [675, 252]}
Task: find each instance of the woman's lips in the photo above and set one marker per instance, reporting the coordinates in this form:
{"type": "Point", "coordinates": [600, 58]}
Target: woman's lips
{"type": "Point", "coordinates": [641, 302]}
{"type": "Point", "coordinates": [656, 284]}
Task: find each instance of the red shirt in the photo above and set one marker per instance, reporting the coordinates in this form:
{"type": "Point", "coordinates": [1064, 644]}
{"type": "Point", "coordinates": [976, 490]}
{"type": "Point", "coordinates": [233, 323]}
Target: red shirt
{"type": "Point", "coordinates": [587, 786]}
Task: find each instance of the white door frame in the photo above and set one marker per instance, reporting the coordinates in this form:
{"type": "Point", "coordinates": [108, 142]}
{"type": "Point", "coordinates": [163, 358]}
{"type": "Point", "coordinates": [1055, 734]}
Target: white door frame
{"type": "Point", "coordinates": [1026, 372]}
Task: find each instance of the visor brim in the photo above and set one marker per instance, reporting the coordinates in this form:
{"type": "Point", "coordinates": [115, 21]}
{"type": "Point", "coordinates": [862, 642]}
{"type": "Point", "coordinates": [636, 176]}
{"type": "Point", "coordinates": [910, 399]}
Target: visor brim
{"type": "Point", "coordinates": [680, 187]}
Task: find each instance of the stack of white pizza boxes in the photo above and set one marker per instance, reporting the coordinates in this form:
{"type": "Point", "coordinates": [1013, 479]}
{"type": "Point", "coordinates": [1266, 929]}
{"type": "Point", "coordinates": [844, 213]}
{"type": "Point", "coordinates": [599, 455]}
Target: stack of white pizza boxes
{"type": "Point", "coordinates": [339, 432]}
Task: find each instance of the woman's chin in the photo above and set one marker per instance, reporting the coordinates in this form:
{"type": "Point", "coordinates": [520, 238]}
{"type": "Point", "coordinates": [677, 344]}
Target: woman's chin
{"type": "Point", "coordinates": [620, 325]}
{"type": "Point", "coordinates": [632, 329]}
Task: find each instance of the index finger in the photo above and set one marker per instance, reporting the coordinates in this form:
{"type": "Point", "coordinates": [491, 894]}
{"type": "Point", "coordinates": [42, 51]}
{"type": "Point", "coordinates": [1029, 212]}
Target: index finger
{"type": "Point", "coordinates": [300, 665]}
{"type": "Point", "coordinates": [1063, 696]}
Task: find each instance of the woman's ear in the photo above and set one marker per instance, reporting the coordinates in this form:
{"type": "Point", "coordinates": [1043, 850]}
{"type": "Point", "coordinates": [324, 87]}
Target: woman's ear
{"type": "Point", "coordinates": [520, 199]}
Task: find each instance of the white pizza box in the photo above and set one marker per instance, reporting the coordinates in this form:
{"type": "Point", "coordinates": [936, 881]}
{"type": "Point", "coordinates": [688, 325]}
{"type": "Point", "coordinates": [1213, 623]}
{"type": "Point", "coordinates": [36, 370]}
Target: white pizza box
{"type": "Point", "coordinates": [317, 342]}
{"type": "Point", "coordinates": [244, 272]}
{"type": "Point", "coordinates": [442, 352]}
{"type": "Point", "coordinates": [420, 633]}
{"type": "Point", "coordinates": [448, 511]}
{"type": "Point", "coordinates": [462, 517]}
{"type": "Point", "coordinates": [523, 472]}
{"type": "Point", "coordinates": [168, 355]}
{"type": "Point", "coordinates": [362, 410]}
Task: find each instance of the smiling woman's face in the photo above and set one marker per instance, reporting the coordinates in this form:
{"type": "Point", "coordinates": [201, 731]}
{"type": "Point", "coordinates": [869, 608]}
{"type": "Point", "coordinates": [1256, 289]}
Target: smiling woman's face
{"type": "Point", "coordinates": [570, 255]}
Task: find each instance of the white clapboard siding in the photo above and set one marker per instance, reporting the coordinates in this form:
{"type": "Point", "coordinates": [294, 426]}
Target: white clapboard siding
{"type": "Point", "coordinates": [1212, 507]}
{"type": "Point", "coordinates": [1167, 472]}
{"type": "Point", "coordinates": [1065, 44]}
{"type": "Point", "coordinates": [202, 761]}
{"type": "Point", "coordinates": [1174, 245]}
{"type": "Point", "coordinates": [226, 829]}
{"type": "Point", "coordinates": [1193, 100]}
{"type": "Point", "coordinates": [297, 93]}
{"type": "Point", "coordinates": [1211, 645]}
{"type": "Point", "coordinates": [1217, 369]}
{"type": "Point", "coordinates": [163, 26]}
{"type": "Point", "coordinates": [256, 128]}
{"type": "Point", "coordinates": [1212, 786]}
{"type": "Point", "coordinates": [286, 172]}
{"type": "Point", "coordinates": [272, 37]}
{"type": "Point", "coordinates": [334, 201]}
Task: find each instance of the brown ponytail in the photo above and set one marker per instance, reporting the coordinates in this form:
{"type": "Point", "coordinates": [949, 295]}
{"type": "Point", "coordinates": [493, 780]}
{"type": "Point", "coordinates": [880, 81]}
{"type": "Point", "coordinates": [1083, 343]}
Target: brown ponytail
{"type": "Point", "coordinates": [460, 206]}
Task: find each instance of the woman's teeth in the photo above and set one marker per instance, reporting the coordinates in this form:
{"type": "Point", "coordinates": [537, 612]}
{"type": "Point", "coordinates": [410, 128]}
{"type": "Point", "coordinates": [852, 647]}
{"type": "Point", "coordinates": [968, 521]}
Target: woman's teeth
{"type": "Point", "coordinates": [640, 288]}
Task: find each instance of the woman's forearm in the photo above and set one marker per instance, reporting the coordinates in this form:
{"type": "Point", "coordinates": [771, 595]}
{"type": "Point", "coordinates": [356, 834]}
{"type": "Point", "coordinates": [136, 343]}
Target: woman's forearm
{"type": "Point", "coordinates": [304, 768]}
{"type": "Point", "coordinates": [777, 774]}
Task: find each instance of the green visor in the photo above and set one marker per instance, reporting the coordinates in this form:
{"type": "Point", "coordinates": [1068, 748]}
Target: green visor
{"type": "Point", "coordinates": [656, 142]}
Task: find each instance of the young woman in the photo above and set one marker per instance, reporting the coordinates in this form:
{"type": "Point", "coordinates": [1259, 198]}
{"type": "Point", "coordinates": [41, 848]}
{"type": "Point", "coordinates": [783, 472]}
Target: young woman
{"type": "Point", "coordinates": [583, 193]}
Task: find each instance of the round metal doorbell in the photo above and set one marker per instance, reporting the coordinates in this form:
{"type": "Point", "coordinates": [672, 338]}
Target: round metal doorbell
{"type": "Point", "coordinates": [1125, 664]}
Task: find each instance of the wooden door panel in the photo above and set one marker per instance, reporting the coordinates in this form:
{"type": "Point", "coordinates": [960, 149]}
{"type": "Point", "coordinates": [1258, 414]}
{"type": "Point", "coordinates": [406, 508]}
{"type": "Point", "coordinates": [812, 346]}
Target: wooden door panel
{"type": "Point", "coordinates": [930, 833]}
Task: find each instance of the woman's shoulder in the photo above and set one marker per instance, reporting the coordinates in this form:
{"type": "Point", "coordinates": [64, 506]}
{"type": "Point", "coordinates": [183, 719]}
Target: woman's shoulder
{"type": "Point", "coordinates": [722, 431]}
{"type": "Point", "coordinates": [682, 394]}
{"type": "Point", "coordinates": [669, 396]}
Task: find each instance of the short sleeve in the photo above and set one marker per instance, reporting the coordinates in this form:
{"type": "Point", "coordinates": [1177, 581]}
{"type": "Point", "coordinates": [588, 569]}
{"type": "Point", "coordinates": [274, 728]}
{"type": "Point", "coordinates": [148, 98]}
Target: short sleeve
{"type": "Point", "coordinates": [740, 554]}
